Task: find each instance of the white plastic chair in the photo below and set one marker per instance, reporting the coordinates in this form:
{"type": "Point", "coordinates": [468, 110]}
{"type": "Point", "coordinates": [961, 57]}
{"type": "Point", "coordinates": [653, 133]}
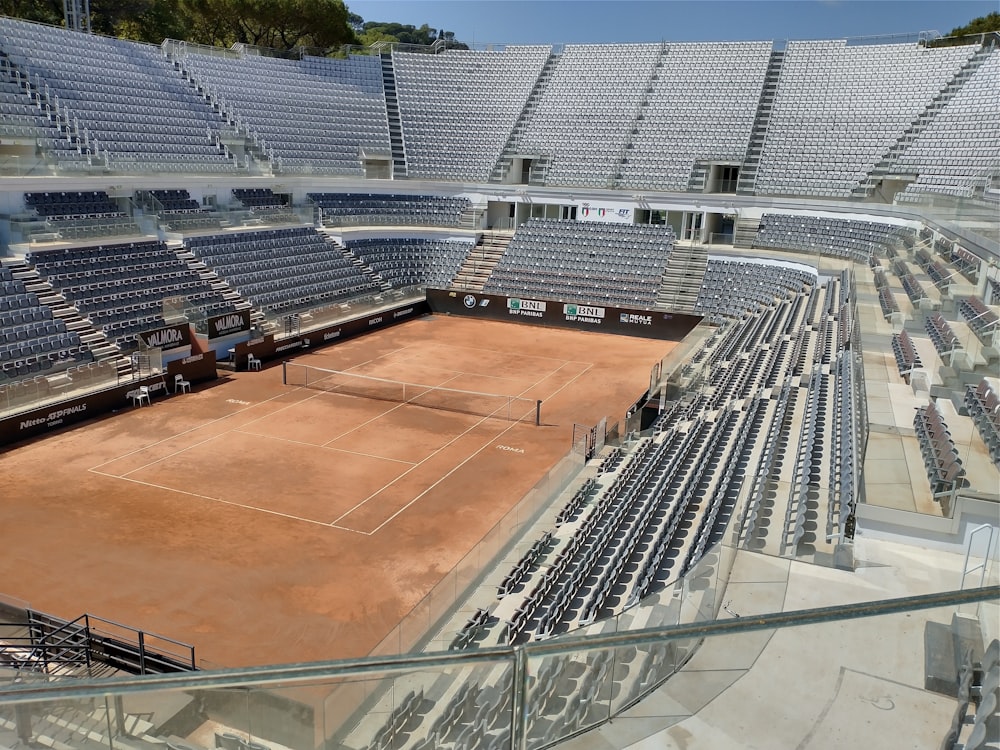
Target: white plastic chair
{"type": "Point", "coordinates": [253, 363]}
{"type": "Point", "coordinates": [180, 384]}
{"type": "Point", "coordinates": [139, 395]}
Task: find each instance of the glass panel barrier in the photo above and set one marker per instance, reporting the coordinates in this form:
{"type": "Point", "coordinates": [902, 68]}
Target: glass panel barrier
{"type": "Point", "coordinates": [845, 676]}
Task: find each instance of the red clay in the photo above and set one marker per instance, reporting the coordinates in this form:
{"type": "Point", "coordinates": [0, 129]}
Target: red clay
{"type": "Point", "coordinates": [267, 523]}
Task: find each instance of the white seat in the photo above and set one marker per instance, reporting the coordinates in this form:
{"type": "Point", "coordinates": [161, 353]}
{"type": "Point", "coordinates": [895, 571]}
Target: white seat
{"type": "Point", "coordinates": [253, 363]}
{"type": "Point", "coordinates": [180, 384]}
{"type": "Point", "coordinates": [139, 395]}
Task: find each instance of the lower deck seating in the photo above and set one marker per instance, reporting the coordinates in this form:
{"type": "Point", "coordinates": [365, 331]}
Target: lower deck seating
{"type": "Point", "coordinates": [586, 262]}
{"type": "Point", "coordinates": [403, 262]}
{"type": "Point", "coordinates": [122, 288]}
{"type": "Point", "coordinates": [283, 270]}
{"type": "Point", "coordinates": [32, 341]}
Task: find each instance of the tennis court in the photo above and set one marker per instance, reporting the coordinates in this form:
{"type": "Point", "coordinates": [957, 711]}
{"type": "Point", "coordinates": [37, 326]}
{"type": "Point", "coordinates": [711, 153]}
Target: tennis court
{"type": "Point", "coordinates": [310, 518]}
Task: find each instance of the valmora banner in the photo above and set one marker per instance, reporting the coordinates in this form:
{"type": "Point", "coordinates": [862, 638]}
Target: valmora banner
{"type": "Point", "coordinates": [171, 337]}
{"type": "Point", "coordinates": [228, 324]}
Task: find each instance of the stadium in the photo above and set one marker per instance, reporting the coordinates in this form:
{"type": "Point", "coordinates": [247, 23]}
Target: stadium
{"type": "Point", "coordinates": [422, 397]}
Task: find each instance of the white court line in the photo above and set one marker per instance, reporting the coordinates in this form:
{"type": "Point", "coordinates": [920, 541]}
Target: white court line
{"type": "Point", "coordinates": [218, 500]}
{"type": "Point", "coordinates": [457, 437]}
{"type": "Point", "coordinates": [215, 437]}
{"type": "Point", "coordinates": [473, 455]}
{"type": "Point", "coordinates": [320, 447]}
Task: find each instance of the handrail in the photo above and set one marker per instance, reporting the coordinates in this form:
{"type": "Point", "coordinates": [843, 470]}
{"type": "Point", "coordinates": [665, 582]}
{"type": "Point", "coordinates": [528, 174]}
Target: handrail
{"type": "Point", "coordinates": [289, 674]}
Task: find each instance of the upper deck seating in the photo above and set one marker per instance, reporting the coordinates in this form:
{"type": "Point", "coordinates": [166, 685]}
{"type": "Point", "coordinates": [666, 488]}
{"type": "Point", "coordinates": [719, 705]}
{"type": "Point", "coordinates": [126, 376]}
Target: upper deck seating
{"type": "Point", "coordinates": [838, 108]}
{"type": "Point", "coordinates": [457, 108]}
{"type": "Point", "coordinates": [702, 100]}
{"type": "Point", "coordinates": [124, 102]}
{"type": "Point", "coordinates": [314, 114]}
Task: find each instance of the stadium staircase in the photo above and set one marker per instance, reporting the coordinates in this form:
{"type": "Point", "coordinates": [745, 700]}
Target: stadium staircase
{"type": "Point", "coordinates": [246, 149]}
{"type": "Point", "coordinates": [748, 174]}
{"type": "Point", "coordinates": [745, 232]}
{"type": "Point", "coordinates": [540, 165]}
{"type": "Point", "coordinates": [682, 278]}
{"type": "Point", "coordinates": [480, 262]}
{"type": "Point", "coordinates": [94, 338]}
{"type": "Point", "coordinates": [396, 141]}
{"type": "Point", "coordinates": [633, 128]}
{"type": "Point", "coordinates": [367, 271]}
{"type": "Point", "coordinates": [206, 274]}
{"type": "Point", "coordinates": [884, 166]}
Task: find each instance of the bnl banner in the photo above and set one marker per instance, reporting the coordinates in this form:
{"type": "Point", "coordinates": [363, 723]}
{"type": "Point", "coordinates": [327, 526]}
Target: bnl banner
{"type": "Point", "coordinates": [654, 324]}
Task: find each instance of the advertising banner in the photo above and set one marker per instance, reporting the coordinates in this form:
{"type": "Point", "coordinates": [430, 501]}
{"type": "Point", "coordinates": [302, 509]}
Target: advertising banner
{"type": "Point", "coordinates": [654, 324]}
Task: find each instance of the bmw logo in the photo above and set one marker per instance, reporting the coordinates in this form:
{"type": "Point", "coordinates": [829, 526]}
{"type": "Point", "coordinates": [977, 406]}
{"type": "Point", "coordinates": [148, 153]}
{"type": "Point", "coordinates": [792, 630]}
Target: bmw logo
{"type": "Point", "coordinates": [469, 301]}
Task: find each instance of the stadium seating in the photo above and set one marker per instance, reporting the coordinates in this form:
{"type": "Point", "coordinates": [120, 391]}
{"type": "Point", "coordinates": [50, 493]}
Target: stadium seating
{"type": "Point", "coordinates": [981, 319]}
{"type": "Point", "coordinates": [983, 405]}
{"type": "Point", "coordinates": [283, 270]}
{"type": "Point", "coordinates": [944, 467]}
{"type": "Point", "coordinates": [858, 240]}
{"type": "Point", "coordinates": [122, 288]}
{"type": "Point", "coordinates": [32, 341]}
{"type": "Point", "coordinates": [122, 101]}
{"type": "Point", "coordinates": [314, 114]}
{"type": "Point", "coordinates": [338, 209]}
{"type": "Point", "coordinates": [580, 122]}
{"type": "Point", "coordinates": [697, 104]}
{"type": "Point", "coordinates": [838, 111]}
{"type": "Point", "coordinates": [75, 214]}
{"type": "Point", "coordinates": [959, 146]}
{"type": "Point", "coordinates": [585, 262]}
{"type": "Point", "coordinates": [403, 262]}
{"type": "Point", "coordinates": [458, 108]}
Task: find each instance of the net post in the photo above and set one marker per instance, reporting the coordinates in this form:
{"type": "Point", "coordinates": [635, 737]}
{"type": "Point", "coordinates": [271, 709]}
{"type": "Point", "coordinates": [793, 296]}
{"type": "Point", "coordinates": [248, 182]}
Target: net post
{"type": "Point", "coordinates": [284, 372]}
{"type": "Point", "coordinates": [538, 413]}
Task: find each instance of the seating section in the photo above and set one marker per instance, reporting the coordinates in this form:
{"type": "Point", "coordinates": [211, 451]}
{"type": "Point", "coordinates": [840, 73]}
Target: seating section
{"type": "Point", "coordinates": [733, 287]}
{"type": "Point", "coordinates": [846, 238]}
{"type": "Point", "coordinates": [75, 214]}
{"type": "Point", "coordinates": [702, 100]}
{"type": "Point", "coordinates": [314, 114]}
{"type": "Point", "coordinates": [585, 262]}
{"type": "Point", "coordinates": [960, 145]}
{"type": "Point", "coordinates": [122, 288]}
{"type": "Point", "coordinates": [338, 209]}
{"type": "Point", "coordinates": [581, 121]}
{"type": "Point", "coordinates": [838, 109]}
{"type": "Point", "coordinates": [283, 270]}
{"type": "Point", "coordinates": [458, 108]}
{"type": "Point", "coordinates": [981, 319]}
{"type": "Point", "coordinates": [32, 342]}
{"type": "Point", "coordinates": [983, 404]}
{"type": "Point", "coordinates": [779, 406]}
{"type": "Point", "coordinates": [976, 722]}
{"type": "Point", "coordinates": [907, 358]}
{"type": "Point", "coordinates": [942, 335]}
{"type": "Point", "coordinates": [258, 198]}
{"type": "Point", "coordinates": [123, 102]}
{"type": "Point", "coordinates": [941, 461]}
{"type": "Point", "coordinates": [22, 116]}
{"type": "Point", "coordinates": [404, 262]}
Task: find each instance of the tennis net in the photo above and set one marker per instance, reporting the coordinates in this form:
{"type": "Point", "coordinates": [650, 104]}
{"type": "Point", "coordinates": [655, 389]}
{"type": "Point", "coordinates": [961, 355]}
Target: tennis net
{"type": "Point", "coordinates": [511, 408]}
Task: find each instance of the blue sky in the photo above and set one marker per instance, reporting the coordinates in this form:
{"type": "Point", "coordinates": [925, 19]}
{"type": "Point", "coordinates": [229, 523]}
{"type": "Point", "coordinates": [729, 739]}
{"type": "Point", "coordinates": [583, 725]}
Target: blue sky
{"type": "Point", "coordinates": [480, 22]}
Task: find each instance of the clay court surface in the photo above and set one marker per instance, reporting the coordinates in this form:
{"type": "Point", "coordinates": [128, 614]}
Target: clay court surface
{"type": "Point", "coordinates": [267, 523]}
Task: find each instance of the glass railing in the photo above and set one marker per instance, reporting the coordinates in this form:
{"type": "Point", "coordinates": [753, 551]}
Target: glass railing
{"type": "Point", "coordinates": [862, 673]}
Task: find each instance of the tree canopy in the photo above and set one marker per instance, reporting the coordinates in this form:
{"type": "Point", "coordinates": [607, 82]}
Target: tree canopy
{"type": "Point", "coordinates": [981, 25]}
{"type": "Point", "coordinates": [277, 24]}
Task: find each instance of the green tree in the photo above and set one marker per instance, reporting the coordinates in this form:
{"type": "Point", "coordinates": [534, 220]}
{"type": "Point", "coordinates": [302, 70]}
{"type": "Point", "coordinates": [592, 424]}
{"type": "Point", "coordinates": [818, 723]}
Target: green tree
{"type": "Point", "coordinates": [43, 11]}
{"type": "Point", "coordinates": [981, 25]}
